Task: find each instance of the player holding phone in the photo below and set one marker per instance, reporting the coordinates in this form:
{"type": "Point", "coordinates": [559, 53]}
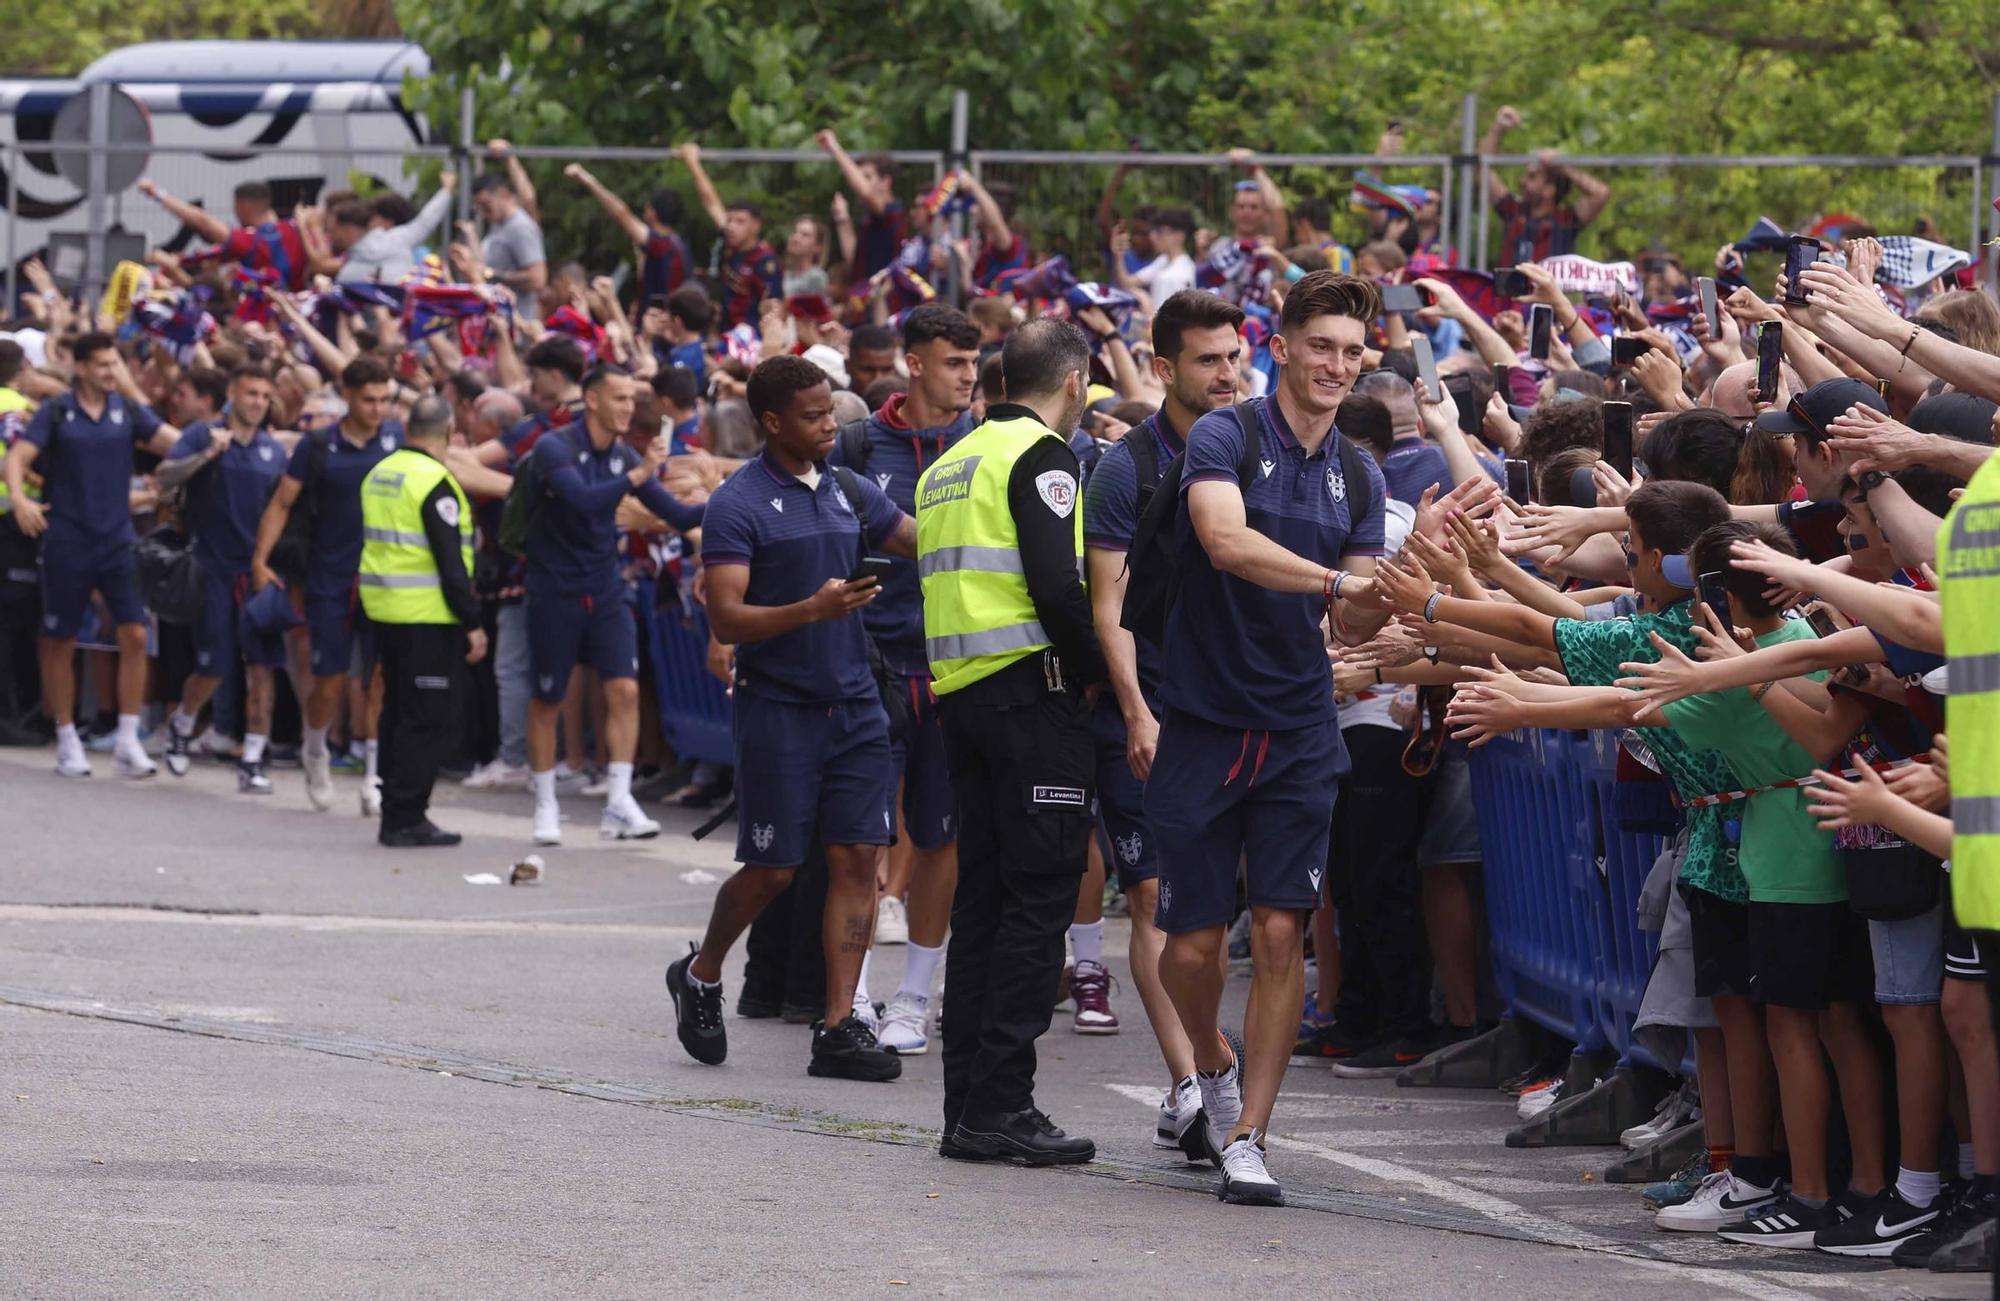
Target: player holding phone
{"type": "Point", "coordinates": [782, 540]}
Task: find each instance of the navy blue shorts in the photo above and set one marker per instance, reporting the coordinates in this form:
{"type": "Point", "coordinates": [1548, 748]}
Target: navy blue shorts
{"type": "Point", "coordinates": [801, 766]}
{"type": "Point", "coordinates": [564, 631]}
{"type": "Point", "coordinates": [1222, 795]}
{"type": "Point", "coordinates": [337, 631]}
{"type": "Point", "coordinates": [71, 571]}
{"type": "Point", "coordinates": [1121, 798]}
{"type": "Point", "coordinates": [217, 645]}
{"type": "Point", "coordinates": [930, 806]}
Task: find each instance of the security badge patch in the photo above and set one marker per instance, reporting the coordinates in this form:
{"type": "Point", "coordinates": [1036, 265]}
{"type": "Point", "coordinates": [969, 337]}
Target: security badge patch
{"type": "Point", "coordinates": [1058, 491]}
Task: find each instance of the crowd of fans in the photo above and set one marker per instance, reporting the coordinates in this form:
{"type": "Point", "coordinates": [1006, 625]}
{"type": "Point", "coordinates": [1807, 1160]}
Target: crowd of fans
{"type": "Point", "coordinates": [1607, 506]}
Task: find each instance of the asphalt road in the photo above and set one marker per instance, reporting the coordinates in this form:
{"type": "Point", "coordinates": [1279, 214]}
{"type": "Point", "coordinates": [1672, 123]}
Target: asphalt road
{"type": "Point", "coordinates": [244, 1051]}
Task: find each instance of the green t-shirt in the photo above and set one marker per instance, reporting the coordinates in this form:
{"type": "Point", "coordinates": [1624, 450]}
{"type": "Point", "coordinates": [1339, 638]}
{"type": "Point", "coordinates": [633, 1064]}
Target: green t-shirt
{"type": "Point", "coordinates": [1591, 652]}
{"type": "Point", "coordinates": [1785, 857]}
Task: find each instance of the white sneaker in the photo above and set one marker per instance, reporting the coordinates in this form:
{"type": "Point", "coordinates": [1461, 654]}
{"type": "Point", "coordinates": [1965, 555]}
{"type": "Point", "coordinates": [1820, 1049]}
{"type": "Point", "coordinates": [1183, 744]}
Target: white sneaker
{"type": "Point", "coordinates": [1245, 1181]}
{"type": "Point", "coordinates": [133, 761]}
{"type": "Point", "coordinates": [1221, 1104]}
{"type": "Point", "coordinates": [548, 824]}
{"type": "Point", "coordinates": [566, 775]}
{"type": "Point", "coordinates": [371, 797]}
{"type": "Point", "coordinates": [892, 921]}
{"type": "Point", "coordinates": [904, 1024]}
{"type": "Point", "coordinates": [72, 761]}
{"type": "Point", "coordinates": [1536, 1101]}
{"type": "Point", "coordinates": [864, 1011]}
{"type": "Point", "coordinates": [596, 785]}
{"type": "Point", "coordinates": [1720, 1202]}
{"type": "Point", "coordinates": [498, 775]}
{"type": "Point", "coordinates": [1676, 1109]}
{"type": "Point", "coordinates": [1180, 1109]}
{"type": "Point", "coordinates": [626, 822]}
{"type": "Point", "coordinates": [319, 778]}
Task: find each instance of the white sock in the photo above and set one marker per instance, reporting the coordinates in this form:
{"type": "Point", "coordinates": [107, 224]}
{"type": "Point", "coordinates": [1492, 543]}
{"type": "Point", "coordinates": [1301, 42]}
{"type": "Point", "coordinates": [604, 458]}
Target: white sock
{"type": "Point", "coordinates": [369, 752]}
{"type": "Point", "coordinates": [692, 979]}
{"type": "Point", "coordinates": [253, 747]}
{"type": "Point", "coordinates": [861, 980]}
{"type": "Point", "coordinates": [919, 966]}
{"type": "Point", "coordinates": [183, 724]}
{"type": "Point", "coordinates": [315, 740]}
{"type": "Point", "coordinates": [1917, 1187]}
{"type": "Point", "coordinates": [66, 737]}
{"type": "Point", "coordinates": [1968, 1165]}
{"type": "Point", "coordinates": [1087, 939]}
{"type": "Point", "coordinates": [618, 778]}
{"type": "Point", "coordinates": [128, 729]}
{"type": "Point", "coordinates": [545, 790]}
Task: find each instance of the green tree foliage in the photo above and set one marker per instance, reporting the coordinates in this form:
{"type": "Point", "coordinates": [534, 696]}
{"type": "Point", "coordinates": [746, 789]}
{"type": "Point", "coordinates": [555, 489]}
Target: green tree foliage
{"type": "Point", "coordinates": [1667, 76]}
{"type": "Point", "coordinates": [58, 38]}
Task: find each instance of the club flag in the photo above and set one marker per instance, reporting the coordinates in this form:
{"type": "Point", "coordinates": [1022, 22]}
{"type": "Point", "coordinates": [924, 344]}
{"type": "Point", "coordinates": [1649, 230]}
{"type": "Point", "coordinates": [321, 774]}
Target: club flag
{"type": "Point", "coordinates": [128, 281]}
{"type": "Point", "coordinates": [1580, 275]}
{"type": "Point", "coordinates": [1371, 192]}
{"type": "Point", "coordinates": [1476, 288]}
{"type": "Point", "coordinates": [1050, 279]}
{"type": "Point", "coordinates": [1908, 261]}
{"type": "Point", "coordinates": [1764, 237]}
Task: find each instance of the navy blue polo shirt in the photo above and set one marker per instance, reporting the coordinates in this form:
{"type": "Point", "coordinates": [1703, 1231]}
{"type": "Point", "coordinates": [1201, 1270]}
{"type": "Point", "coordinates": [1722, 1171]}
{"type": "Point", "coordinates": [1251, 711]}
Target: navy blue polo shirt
{"type": "Point", "coordinates": [794, 538]}
{"type": "Point", "coordinates": [86, 467]}
{"type": "Point", "coordinates": [226, 497]}
{"type": "Point", "coordinates": [897, 454]}
{"type": "Point", "coordinates": [573, 541]}
{"type": "Point", "coordinates": [336, 543]}
{"type": "Point", "coordinates": [1238, 654]}
{"type": "Point", "coordinates": [1111, 514]}
{"type": "Point", "coordinates": [1413, 465]}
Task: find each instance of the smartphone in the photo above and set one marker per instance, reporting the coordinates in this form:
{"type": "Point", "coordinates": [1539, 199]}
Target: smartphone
{"type": "Point", "coordinates": [1404, 298]}
{"type": "Point", "coordinates": [1512, 282]}
{"type": "Point", "coordinates": [1541, 325]}
{"type": "Point", "coordinates": [1801, 253]}
{"type": "Point", "coordinates": [1770, 352]}
{"type": "Point", "coordinates": [1503, 383]}
{"type": "Point", "coordinates": [1626, 349]}
{"type": "Point", "coordinates": [875, 567]}
{"type": "Point", "coordinates": [1517, 481]}
{"type": "Point", "coordinates": [1427, 367]}
{"type": "Point", "coordinates": [1705, 286]}
{"type": "Point", "coordinates": [1715, 595]}
{"type": "Point", "coordinates": [1822, 623]}
{"type": "Point", "coordinates": [1618, 437]}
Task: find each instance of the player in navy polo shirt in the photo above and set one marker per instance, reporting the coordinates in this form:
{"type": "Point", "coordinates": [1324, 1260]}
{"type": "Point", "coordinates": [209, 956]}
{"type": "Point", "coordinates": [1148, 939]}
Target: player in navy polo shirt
{"type": "Point", "coordinates": [1249, 752]}
{"type": "Point", "coordinates": [81, 444]}
{"type": "Point", "coordinates": [909, 433]}
{"type": "Point", "coordinates": [230, 469]}
{"type": "Point", "coordinates": [1196, 350]}
{"type": "Point", "coordinates": [782, 540]}
{"type": "Point", "coordinates": [330, 465]}
{"type": "Point", "coordinates": [577, 606]}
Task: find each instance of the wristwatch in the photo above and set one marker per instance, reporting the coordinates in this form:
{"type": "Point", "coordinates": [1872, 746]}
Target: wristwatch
{"type": "Point", "coordinates": [1431, 654]}
{"type": "Point", "coordinates": [1871, 480]}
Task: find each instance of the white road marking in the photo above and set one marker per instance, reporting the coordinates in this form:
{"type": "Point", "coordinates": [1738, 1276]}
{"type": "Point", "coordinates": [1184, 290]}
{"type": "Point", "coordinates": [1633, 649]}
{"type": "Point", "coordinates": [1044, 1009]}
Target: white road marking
{"type": "Point", "coordinates": [29, 912]}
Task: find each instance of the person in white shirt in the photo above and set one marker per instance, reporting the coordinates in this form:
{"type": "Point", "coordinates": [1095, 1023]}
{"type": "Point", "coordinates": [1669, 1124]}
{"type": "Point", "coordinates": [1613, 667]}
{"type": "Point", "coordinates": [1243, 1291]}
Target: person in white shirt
{"type": "Point", "coordinates": [381, 240]}
{"type": "Point", "coordinates": [1172, 270]}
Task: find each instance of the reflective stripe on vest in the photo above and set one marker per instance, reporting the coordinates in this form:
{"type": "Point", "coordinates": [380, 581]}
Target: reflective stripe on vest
{"type": "Point", "coordinates": [399, 578]}
{"type": "Point", "coordinates": [978, 616]}
{"type": "Point", "coordinates": [1969, 590]}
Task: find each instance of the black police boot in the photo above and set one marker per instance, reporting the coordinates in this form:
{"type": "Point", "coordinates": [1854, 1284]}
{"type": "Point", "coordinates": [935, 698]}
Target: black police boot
{"type": "Point", "coordinates": [420, 836]}
{"type": "Point", "coordinates": [1022, 1137]}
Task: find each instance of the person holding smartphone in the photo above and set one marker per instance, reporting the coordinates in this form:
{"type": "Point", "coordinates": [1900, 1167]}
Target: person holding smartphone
{"type": "Point", "coordinates": [784, 542]}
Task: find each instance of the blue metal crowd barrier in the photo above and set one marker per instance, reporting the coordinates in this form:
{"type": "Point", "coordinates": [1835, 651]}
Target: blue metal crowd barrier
{"type": "Point", "coordinates": [1562, 887]}
{"type": "Point", "coordinates": [694, 707]}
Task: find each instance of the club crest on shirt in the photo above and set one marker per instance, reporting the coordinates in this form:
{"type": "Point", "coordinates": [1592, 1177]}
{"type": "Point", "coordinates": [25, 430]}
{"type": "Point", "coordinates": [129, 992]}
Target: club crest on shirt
{"type": "Point", "coordinates": [548, 682]}
{"type": "Point", "coordinates": [386, 442]}
{"type": "Point", "coordinates": [1058, 491]}
{"type": "Point", "coordinates": [1336, 483]}
{"type": "Point", "coordinates": [762, 835]}
{"type": "Point", "coordinates": [265, 452]}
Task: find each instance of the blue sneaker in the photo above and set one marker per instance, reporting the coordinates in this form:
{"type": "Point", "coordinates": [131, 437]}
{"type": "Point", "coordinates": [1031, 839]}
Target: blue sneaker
{"type": "Point", "coordinates": [1677, 1187]}
{"type": "Point", "coordinates": [348, 762]}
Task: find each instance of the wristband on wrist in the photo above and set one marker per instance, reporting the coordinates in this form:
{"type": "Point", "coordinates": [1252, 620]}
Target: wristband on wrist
{"type": "Point", "coordinates": [1378, 678]}
{"type": "Point", "coordinates": [1338, 579]}
{"type": "Point", "coordinates": [1911, 342]}
{"type": "Point", "coordinates": [1329, 584]}
{"type": "Point", "coordinates": [1760, 692]}
{"type": "Point", "coordinates": [1430, 607]}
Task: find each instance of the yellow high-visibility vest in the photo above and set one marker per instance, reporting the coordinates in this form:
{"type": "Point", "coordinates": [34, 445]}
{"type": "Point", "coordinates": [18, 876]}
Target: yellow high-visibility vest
{"type": "Point", "coordinates": [15, 406]}
{"type": "Point", "coordinates": [1969, 587]}
{"type": "Point", "coordinates": [399, 578]}
{"type": "Point", "coordinates": [978, 617]}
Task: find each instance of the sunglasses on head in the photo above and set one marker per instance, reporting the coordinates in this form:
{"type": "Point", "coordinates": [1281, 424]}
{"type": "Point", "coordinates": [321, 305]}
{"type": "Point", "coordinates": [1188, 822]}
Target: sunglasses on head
{"type": "Point", "coordinates": [1797, 410]}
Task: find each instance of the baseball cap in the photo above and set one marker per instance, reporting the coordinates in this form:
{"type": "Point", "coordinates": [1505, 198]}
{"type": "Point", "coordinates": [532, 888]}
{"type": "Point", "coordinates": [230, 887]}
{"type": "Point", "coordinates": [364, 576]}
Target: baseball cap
{"type": "Point", "coordinates": [1964, 416]}
{"type": "Point", "coordinates": [829, 360]}
{"type": "Point", "coordinates": [1810, 412]}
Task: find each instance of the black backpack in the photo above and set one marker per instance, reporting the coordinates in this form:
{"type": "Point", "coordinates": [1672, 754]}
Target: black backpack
{"type": "Point", "coordinates": [289, 556]}
{"type": "Point", "coordinates": [852, 443]}
{"type": "Point", "coordinates": [525, 497]}
{"type": "Point", "coordinates": [1153, 574]}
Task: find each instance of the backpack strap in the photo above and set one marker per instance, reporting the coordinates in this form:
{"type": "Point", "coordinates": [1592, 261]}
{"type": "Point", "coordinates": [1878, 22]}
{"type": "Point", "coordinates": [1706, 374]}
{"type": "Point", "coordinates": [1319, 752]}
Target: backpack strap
{"type": "Point", "coordinates": [849, 486]}
{"type": "Point", "coordinates": [852, 442]}
{"type": "Point", "coordinates": [1146, 460]}
{"type": "Point", "coordinates": [1351, 469]}
{"type": "Point", "coordinates": [1249, 412]}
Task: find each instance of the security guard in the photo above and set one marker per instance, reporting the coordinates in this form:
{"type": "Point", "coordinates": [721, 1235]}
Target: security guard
{"type": "Point", "coordinates": [1969, 566]}
{"type": "Point", "coordinates": [1007, 629]}
{"type": "Point", "coordinates": [416, 588]}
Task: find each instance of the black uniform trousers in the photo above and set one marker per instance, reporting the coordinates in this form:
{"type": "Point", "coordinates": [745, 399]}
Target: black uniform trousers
{"type": "Point", "coordinates": [1021, 766]}
{"type": "Point", "coordinates": [1373, 879]}
{"type": "Point", "coordinates": [424, 696]}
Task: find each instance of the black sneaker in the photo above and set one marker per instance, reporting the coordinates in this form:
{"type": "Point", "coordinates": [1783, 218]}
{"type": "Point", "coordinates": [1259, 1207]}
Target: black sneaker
{"type": "Point", "coordinates": [1966, 1212]}
{"type": "Point", "coordinates": [1328, 1041]}
{"type": "Point", "coordinates": [423, 835]}
{"type": "Point", "coordinates": [757, 1003]}
{"type": "Point", "coordinates": [1969, 1253]}
{"type": "Point", "coordinates": [1021, 1137]}
{"type": "Point", "coordinates": [1385, 1059]}
{"type": "Point", "coordinates": [848, 1051]}
{"type": "Point", "coordinates": [177, 755]}
{"type": "Point", "coordinates": [1879, 1225]}
{"type": "Point", "coordinates": [697, 1014]}
{"type": "Point", "coordinates": [1787, 1222]}
{"type": "Point", "coordinates": [250, 779]}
